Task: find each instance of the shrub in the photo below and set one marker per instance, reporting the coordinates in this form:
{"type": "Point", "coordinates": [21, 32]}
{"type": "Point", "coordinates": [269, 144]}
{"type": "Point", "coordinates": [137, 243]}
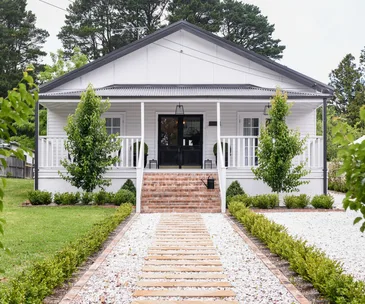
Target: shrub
{"type": "Point", "coordinates": [322, 201]}
{"type": "Point", "coordinates": [336, 181]}
{"type": "Point", "coordinates": [312, 264]}
{"type": "Point", "coordinates": [233, 190]}
{"type": "Point", "coordinates": [86, 198]}
{"type": "Point", "coordinates": [296, 201]}
{"type": "Point", "coordinates": [139, 147]}
{"type": "Point", "coordinates": [123, 197]}
{"type": "Point", "coordinates": [243, 198]}
{"type": "Point", "coordinates": [265, 201]}
{"type": "Point", "coordinates": [66, 198]}
{"type": "Point", "coordinates": [39, 280]}
{"type": "Point", "coordinates": [37, 197]}
{"type": "Point", "coordinates": [102, 197]}
{"type": "Point", "coordinates": [129, 185]}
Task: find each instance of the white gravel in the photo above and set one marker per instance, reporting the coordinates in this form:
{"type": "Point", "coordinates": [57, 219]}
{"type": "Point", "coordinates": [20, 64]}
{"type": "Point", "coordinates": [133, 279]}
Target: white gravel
{"type": "Point", "coordinates": [252, 280]}
{"type": "Point", "coordinates": [332, 232]}
{"type": "Point", "coordinates": [114, 280]}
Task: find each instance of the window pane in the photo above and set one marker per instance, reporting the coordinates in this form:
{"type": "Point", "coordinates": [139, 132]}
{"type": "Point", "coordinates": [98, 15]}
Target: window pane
{"type": "Point", "coordinates": [255, 131]}
{"type": "Point", "coordinates": [116, 130]}
{"type": "Point", "coordinates": [108, 130]}
{"type": "Point", "coordinates": [247, 122]}
{"type": "Point", "coordinates": [246, 131]}
{"type": "Point", "coordinates": [255, 122]}
{"type": "Point", "coordinates": [108, 122]}
{"type": "Point", "coordinates": [116, 122]}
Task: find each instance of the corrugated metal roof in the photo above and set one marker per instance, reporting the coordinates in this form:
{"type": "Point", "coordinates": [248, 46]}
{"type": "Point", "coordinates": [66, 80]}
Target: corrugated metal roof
{"type": "Point", "coordinates": [122, 91]}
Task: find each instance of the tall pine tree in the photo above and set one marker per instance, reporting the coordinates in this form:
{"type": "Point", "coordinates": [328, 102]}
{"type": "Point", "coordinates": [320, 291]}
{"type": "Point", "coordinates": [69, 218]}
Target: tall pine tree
{"type": "Point", "coordinates": [20, 42]}
{"type": "Point", "coordinates": [245, 25]}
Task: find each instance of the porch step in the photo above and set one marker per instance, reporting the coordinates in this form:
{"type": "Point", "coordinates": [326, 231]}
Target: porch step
{"type": "Point", "coordinates": [179, 192]}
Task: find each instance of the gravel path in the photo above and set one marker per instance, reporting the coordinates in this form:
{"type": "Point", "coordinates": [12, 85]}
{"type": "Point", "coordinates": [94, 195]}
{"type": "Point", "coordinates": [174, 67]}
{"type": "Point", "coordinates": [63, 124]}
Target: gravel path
{"type": "Point", "coordinates": [332, 232]}
{"type": "Point", "coordinates": [253, 281]}
{"type": "Point", "coordinates": [115, 279]}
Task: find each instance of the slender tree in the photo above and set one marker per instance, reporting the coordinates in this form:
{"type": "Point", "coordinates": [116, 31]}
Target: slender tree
{"type": "Point", "coordinates": [278, 145]}
{"type": "Point", "coordinates": [20, 42]}
{"type": "Point", "coordinates": [88, 144]}
{"type": "Point", "coordinates": [244, 24]}
{"type": "Point", "coordinates": [349, 90]}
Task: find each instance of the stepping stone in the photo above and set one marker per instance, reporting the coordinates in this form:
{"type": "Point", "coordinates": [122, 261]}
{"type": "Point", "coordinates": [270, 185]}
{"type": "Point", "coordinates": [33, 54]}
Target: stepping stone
{"type": "Point", "coordinates": [201, 263]}
{"type": "Point", "coordinates": [192, 276]}
{"type": "Point", "coordinates": [183, 284]}
{"type": "Point", "coordinates": [182, 257]}
{"type": "Point", "coordinates": [183, 302]}
{"type": "Point", "coordinates": [184, 293]}
{"type": "Point", "coordinates": [183, 251]}
{"type": "Point", "coordinates": [182, 269]}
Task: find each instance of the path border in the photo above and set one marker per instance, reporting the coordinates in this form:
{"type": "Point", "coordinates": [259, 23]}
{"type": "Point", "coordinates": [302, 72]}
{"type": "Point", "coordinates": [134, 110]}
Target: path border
{"type": "Point", "coordinates": [282, 278]}
{"type": "Point", "coordinates": [74, 291]}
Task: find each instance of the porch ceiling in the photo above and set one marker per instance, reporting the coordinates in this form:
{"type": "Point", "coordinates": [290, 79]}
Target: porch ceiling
{"type": "Point", "coordinates": [239, 91]}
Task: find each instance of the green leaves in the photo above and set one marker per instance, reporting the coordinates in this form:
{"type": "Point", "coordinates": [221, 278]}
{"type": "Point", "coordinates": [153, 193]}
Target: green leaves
{"type": "Point", "coordinates": [277, 148]}
{"type": "Point", "coordinates": [89, 145]}
{"type": "Point", "coordinates": [352, 157]}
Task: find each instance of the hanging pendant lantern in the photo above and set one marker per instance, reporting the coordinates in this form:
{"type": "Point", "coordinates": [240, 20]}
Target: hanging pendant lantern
{"type": "Point", "coordinates": [179, 109]}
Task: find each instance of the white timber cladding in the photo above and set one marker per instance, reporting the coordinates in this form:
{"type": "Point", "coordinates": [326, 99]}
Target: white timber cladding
{"type": "Point", "coordinates": [182, 58]}
{"type": "Point", "coordinates": [301, 118]}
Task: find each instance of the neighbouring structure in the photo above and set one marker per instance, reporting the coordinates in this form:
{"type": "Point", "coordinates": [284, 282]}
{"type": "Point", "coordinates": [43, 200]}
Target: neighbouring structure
{"type": "Point", "coordinates": [181, 90]}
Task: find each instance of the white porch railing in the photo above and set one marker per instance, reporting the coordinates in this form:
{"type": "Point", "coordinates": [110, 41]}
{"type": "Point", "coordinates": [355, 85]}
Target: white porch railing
{"type": "Point", "coordinates": [52, 151]}
{"type": "Point", "coordinates": [240, 152]}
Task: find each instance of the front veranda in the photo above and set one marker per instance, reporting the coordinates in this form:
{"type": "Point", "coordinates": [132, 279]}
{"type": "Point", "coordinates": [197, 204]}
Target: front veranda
{"type": "Point", "coordinates": [183, 141]}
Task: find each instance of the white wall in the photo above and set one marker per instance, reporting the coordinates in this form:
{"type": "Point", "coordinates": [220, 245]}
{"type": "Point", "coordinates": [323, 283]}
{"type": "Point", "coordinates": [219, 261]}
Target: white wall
{"type": "Point", "coordinates": [302, 118]}
{"type": "Point", "coordinates": [182, 58]}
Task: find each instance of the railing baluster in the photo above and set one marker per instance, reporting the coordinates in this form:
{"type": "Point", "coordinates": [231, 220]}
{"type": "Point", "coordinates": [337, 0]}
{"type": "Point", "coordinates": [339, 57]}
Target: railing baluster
{"type": "Point", "coordinates": [229, 151]}
{"type": "Point", "coordinates": [234, 152]}
{"type": "Point", "coordinates": [239, 152]}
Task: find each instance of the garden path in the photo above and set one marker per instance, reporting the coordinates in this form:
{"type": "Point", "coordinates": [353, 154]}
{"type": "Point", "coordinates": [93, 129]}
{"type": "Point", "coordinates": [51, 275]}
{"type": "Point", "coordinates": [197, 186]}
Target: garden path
{"type": "Point", "coordinates": [179, 258]}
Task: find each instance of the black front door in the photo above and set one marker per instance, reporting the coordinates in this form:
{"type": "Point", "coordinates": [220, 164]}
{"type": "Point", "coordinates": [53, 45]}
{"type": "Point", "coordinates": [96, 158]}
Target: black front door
{"type": "Point", "coordinates": [180, 140]}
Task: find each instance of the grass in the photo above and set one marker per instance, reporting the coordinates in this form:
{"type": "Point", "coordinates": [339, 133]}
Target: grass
{"type": "Point", "coordinates": [33, 233]}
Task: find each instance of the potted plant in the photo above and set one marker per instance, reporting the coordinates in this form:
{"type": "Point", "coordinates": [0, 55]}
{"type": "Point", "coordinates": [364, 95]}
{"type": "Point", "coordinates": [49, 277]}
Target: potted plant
{"type": "Point", "coordinates": [226, 153]}
{"type": "Point", "coordinates": [135, 151]}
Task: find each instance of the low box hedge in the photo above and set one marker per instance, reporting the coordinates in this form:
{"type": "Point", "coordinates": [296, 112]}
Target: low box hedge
{"type": "Point", "coordinates": [326, 275]}
{"type": "Point", "coordinates": [39, 280]}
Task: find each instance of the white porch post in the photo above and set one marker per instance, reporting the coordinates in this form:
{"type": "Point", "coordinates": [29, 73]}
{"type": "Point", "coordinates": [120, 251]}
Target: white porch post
{"type": "Point", "coordinates": [139, 177]}
{"type": "Point", "coordinates": [220, 165]}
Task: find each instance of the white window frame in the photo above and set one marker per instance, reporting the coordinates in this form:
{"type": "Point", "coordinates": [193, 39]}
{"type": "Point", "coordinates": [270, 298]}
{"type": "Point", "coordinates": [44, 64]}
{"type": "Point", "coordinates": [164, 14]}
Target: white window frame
{"type": "Point", "coordinates": [120, 115]}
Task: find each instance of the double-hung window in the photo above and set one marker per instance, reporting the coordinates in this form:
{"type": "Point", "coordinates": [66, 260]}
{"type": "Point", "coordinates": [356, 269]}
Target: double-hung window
{"type": "Point", "coordinates": [249, 125]}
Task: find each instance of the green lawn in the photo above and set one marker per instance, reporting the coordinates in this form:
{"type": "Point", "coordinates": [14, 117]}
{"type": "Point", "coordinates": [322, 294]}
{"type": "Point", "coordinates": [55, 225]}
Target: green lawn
{"type": "Point", "coordinates": [32, 233]}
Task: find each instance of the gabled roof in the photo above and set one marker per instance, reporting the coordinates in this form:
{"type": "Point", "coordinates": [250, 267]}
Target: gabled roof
{"type": "Point", "coordinates": [183, 91]}
{"type": "Point", "coordinates": [184, 25]}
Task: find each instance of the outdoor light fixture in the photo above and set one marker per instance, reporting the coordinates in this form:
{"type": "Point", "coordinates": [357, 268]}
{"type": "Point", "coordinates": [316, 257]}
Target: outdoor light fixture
{"type": "Point", "coordinates": [266, 109]}
{"type": "Point", "coordinates": [179, 109]}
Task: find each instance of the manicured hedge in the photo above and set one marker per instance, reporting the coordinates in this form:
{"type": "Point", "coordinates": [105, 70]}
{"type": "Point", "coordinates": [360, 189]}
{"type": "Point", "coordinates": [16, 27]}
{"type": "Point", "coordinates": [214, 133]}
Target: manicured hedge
{"type": "Point", "coordinates": [296, 201]}
{"type": "Point", "coordinates": [312, 264]}
{"type": "Point", "coordinates": [39, 280]}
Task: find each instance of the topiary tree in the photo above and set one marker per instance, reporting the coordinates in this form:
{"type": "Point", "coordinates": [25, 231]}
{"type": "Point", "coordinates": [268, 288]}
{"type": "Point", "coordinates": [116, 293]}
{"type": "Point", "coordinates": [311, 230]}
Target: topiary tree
{"type": "Point", "coordinates": [352, 155]}
{"type": "Point", "coordinates": [89, 146]}
{"type": "Point", "coordinates": [129, 185]}
{"type": "Point", "coordinates": [233, 190]}
{"type": "Point", "coordinates": [278, 145]}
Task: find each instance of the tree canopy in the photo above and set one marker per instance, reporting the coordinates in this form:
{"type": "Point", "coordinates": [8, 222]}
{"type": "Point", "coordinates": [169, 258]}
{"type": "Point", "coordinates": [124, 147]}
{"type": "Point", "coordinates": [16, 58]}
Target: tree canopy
{"type": "Point", "coordinates": [20, 42]}
{"type": "Point", "coordinates": [99, 27]}
{"type": "Point", "coordinates": [278, 145]}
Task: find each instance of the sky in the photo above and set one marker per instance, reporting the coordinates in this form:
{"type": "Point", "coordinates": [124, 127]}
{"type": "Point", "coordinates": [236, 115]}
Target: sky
{"type": "Point", "coordinates": [317, 33]}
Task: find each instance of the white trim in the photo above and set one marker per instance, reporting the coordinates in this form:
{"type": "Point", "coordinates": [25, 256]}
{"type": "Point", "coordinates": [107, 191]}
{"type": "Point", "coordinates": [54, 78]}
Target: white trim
{"type": "Point", "coordinates": [121, 115]}
{"type": "Point", "coordinates": [186, 113]}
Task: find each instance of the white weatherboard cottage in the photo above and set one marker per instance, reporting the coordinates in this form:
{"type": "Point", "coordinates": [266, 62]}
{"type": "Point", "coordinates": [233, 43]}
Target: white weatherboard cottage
{"type": "Point", "coordinates": [223, 90]}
